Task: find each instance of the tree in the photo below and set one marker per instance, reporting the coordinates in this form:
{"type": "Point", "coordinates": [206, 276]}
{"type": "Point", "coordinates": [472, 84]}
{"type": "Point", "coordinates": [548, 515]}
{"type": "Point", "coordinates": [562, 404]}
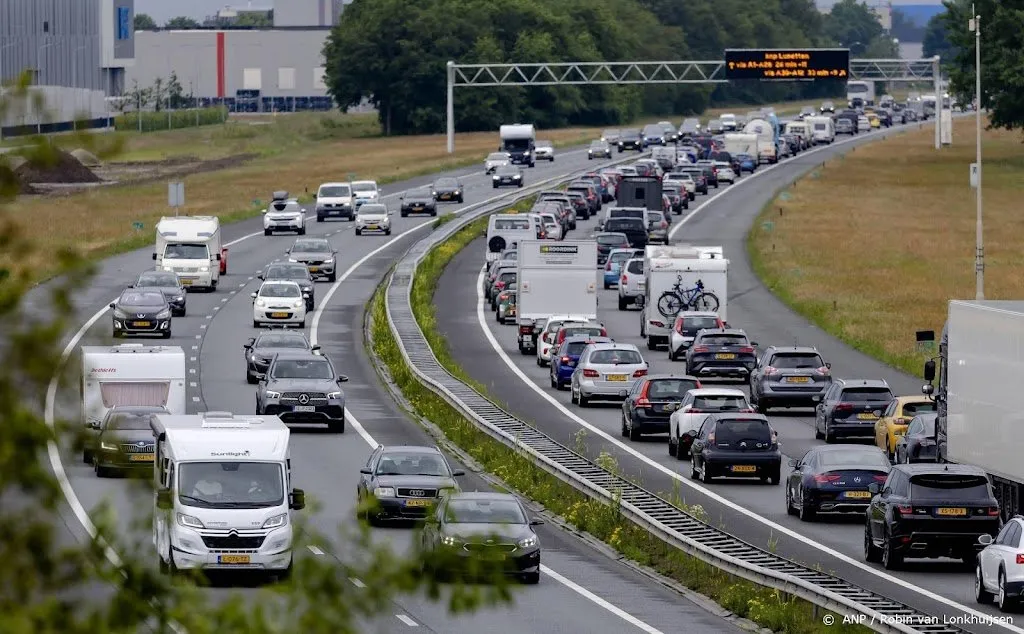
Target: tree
{"type": "Point", "coordinates": [182, 23]}
{"type": "Point", "coordinates": [904, 29]}
{"type": "Point", "coordinates": [851, 24]}
{"type": "Point", "coordinates": [254, 20]}
{"type": "Point", "coordinates": [175, 92]}
{"type": "Point", "coordinates": [144, 23]}
{"type": "Point", "coordinates": [935, 40]}
{"type": "Point", "coordinates": [137, 97]}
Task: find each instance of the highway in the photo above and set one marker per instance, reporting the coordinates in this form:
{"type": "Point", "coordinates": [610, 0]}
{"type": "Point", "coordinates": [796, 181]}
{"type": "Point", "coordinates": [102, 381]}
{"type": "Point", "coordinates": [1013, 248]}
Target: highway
{"type": "Point", "coordinates": [755, 512]}
{"type": "Point", "coordinates": [581, 590]}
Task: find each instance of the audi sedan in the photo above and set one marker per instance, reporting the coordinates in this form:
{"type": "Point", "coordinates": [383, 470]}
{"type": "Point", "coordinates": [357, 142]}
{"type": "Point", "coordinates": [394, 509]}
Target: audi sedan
{"type": "Point", "coordinates": [403, 483]}
{"type": "Point", "coordinates": [606, 371]}
{"type": "Point", "coordinates": [142, 311]}
{"type": "Point", "coordinates": [834, 479]}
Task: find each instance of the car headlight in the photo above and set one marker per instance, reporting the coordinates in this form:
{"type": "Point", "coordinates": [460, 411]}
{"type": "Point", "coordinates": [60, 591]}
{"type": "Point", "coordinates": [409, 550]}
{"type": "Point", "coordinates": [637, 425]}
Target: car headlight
{"type": "Point", "coordinates": [188, 521]}
{"type": "Point", "coordinates": [164, 314]}
{"type": "Point", "coordinates": [260, 302]}
{"type": "Point", "coordinates": [433, 193]}
{"type": "Point", "coordinates": [384, 492]}
{"type": "Point", "coordinates": [298, 303]}
{"type": "Point", "coordinates": [120, 314]}
{"type": "Point", "coordinates": [449, 541]}
{"type": "Point", "coordinates": [496, 177]}
{"type": "Point", "coordinates": [329, 261]}
{"type": "Point", "coordinates": [527, 542]}
{"type": "Point", "coordinates": [272, 394]}
{"type": "Point", "coordinates": [204, 269]}
{"type": "Point", "coordinates": [292, 260]}
{"type": "Point", "coordinates": [526, 153]}
{"type": "Point", "coordinates": [179, 298]}
{"type": "Point", "coordinates": [169, 268]}
{"type": "Point", "coordinates": [334, 395]}
{"type": "Point", "coordinates": [277, 521]}
{"type": "Point", "coordinates": [109, 446]}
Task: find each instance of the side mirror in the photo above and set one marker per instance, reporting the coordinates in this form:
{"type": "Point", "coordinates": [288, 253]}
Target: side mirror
{"type": "Point", "coordinates": [154, 256]}
{"type": "Point", "coordinates": [315, 348]}
{"type": "Point", "coordinates": [458, 472]}
{"type": "Point", "coordinates": [985, 539]}
{"type": "Point", "coordinates": [163, 499]}
{"type": "Point", "coordinates": [536, 522]}
{"type": "Point", "coordinates": [342, 379]}
{"type": "Point", "coordinates": [366, 471]}
{"type": "Point", "coordinates": [793, 462]}
{"type": "Point", "coordinates": [260, 277]}
{"type": "Point", "coordinates": [94, 424]}
{"type": "Point", "coordinates": [112, 305]}
{"type": "Point", "coordinates": [928, 389]}
{"type": "Point", "coordinates": [298, 500]}
{"type": "Point", "coordinates": [816, 398]}
{"type": "Point", "coordinates": [874, 488]}
{"type": "Point", "coordinates": [929, 370]}
{"type": "Point", "coordinates": [828, 365]}
{"type": "Point", "coordinates": [754, 343]}
{"type": "Point", "coordinates": [253, 295]}
{"type": "Point", "coordinates": [218, 255]}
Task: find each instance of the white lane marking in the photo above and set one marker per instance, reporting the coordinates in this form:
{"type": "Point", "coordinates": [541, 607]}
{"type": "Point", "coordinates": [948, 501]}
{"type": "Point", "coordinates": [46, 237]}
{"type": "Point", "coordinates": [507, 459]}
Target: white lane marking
{"type": "Point", "coordinates": [191, 370]}
{"type": "Point", "coordinates": [193, 384]}
{"type": "Point", "coordinates": [195, 347]}
{"type": "Point", "coordinates": [587, 594]}
{"type": "Point", "coordinates": [357, 582]}
{"type": "Point", "coordinates": [485, 326]}
{"type": "Point", "coordinates": [405, 619]}
{"type": "Point", "coordinates": [195, 399]}
{"type": "Point", "coordinates": [316, 551]}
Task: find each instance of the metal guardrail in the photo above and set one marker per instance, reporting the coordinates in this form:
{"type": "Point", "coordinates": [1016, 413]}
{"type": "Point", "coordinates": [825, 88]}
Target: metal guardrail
{"type": "Point", "coordinates": [646, 509]}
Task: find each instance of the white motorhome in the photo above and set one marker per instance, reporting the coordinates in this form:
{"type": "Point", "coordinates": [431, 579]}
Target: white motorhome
{"type": "Point", "coordinates": [191, 247]}
{"type": "Point", "coordinates": [506, 230]}
{"type": "Point", "coordinates": [741, 143]}
{"type": "Point", "coordinates": [765, 132]}
{"type": "Point", "coordinates": [519, 141]}
{"type": "Point", "coordinates": [553, 278]}
{"type": "Point", "coordinates": [224, 493]}
{"type": "Point", "coordinates": [664, 266]}
{"type": "Point", "coordinates": [131, 374]}
{"type": "Point", "coordinates": [823, 130]}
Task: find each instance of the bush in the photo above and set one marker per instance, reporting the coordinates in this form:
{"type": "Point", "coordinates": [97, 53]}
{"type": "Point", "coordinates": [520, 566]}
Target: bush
{"type": "Point", "coordinates": [170, 119]}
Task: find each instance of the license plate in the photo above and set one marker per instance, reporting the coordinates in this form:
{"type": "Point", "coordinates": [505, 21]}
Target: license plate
{"type": "Point", "coordinates": [511, 311]}
{"type": "Point", "coordinates": [279, 315]}
{"type": "Point", "coordinates": [725, 355]}
{"type": "Point", "coordinates": [141, 324]}
{"type": "Point", "coordinates": [186, 282]}
{"type": "Point", "coordinates": [857, 495]}
{"type": "Point", "coordinates": [866, 416]}
{"type": "Point", "coordinates": [372, 227]}
{"type": "Point", "coordinates": [951, 511]}
{"type": "Point", "coordinates": [303, 408]}
{"type": "Point", "coordinates": [314, 269]}
{"type": "Point", "coordinates": [744, 468]}
{"type": "Point", "coordinates": [616, 377]}
{"type": "Point", "coordinates": [233, 559]}
{"type": "Point", "coordinates": [417, 208]}
{"type": "Point", "coordinates": [140, 457]}
{"type": "Point", "coordinates": [417, 502]}
{"type": "Point", "coordinates": [798, 379]}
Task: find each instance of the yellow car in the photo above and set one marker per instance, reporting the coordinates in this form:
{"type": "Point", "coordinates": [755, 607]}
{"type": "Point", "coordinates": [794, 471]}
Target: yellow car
{"type": "Point", "coordinates": [894, 420]}
{"type": "Point", "coordinates": [874, 120]}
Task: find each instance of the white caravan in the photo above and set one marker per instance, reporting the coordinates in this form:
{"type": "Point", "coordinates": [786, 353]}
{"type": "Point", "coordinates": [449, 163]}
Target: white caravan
{"type": "Point", "coordinates": [664, 266]}
{"type": "Point", "coordinates": [554, 278]}
{"type": "Point", "coordinates": [505, 231]}
{"type": "Point", "coordinates": [800, 128]}
{"type": "Point", "coordinates": [823, 130]}
{"type": "Point", "coordinates": [131, 374]}
{"type": "Point", "coordinates": [765, 132]}
{"type": "Point", "coordinates": [741, 143]}
{"type": "Point", "coordinates": [191, 247]}
{"type": "Point", "coordinates": [224, 493]}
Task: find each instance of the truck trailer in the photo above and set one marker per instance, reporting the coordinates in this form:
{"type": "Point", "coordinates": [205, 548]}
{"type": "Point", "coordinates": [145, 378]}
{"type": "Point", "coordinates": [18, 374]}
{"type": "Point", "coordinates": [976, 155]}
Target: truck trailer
{"type": "Point", "coordinates": [553, 278]}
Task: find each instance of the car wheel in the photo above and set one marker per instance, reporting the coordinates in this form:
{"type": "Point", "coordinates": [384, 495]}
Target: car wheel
{"type": "Point", "coordinates": [551, 379]}
{"type": "Point", "coordinates": [805, 511]}
{"type": "Point", "coordinates": [830, 436]}
{"type": "Point", "coordinates": [583, 400]}
{"type": "Point", "coordinates": [817, 432]}
{"type": "Point", "coordinates": [1006, 604]}
{"type": "Point", "coordinates": [762, 406]}
{"type": "Point", "coordinates": [267, 232]}
{"type": "Point", "coordinates": [673, 445]}
{"type": "Point", "coordinates": [540, 363]}
{"type": "Point", "coordinates": [623, 304]}
{"type": "Point", "coordinates": [694, 474]}
{"type": "Point", "coordinates": [623, 428]}
{"type": "Point", "coordinates": [319, 218]}
{"type": "Point", "coordinates": [981, 595]}
{"type": "Point", "coordinates": [359, 232]}
{"type": "Point", "coordinates": [891, 560]}
{"type": "Point", "coordinates": [255, 324]}
{"type": "Point", "coordinates": [337, 426]}
{"type": "Point", "coordinates": [531, 578]}
{"type": "Point", "coordinates": [250, 378]}
{"type": "Point", "coordinates": [651, 344]}
{"type": "Point", "coordinates": [872, 553]}
{"type": "Point", "coordinates": [87, 457]}
{"type": "Point", "coordinates": [705, 474]}
{"type": "Point", "coordinates": [789, 501]}
{"type": "Point", "coordinates": [302, 231]}
{"type": "Point", "coordinates": [101, 471]}
{"type": "Point", "coordinates": [671, 353]}
{"type": "Point", "coordinates": [572, 395]}
{"type": "Point", "coordinates": [634, 433]}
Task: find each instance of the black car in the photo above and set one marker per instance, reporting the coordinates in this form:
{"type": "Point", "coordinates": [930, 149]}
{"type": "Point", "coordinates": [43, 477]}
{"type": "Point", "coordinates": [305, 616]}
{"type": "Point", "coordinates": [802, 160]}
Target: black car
{"type": "Point", "coordinates": [606, 242]}
{"type": "Point", "coordinates": [260, 351]}
{"type": "Point", "coordinates": [403, 483]}
{"type": "Point", "coordinates": [483, 533]}
{"type": "Point", "coordinates": [827, 107]}
{"type": "Point", "coordinates": [721, 352]}
{"type": "Point", "coordinates": [710, 174]}
{"type": "Point", "coordinates": [115, 413]}
{"type": "Point", "coordinates": [677, 196]}
{"type": "Point", "coordinates": [449, 189]}
{"type": "Point", "coordinates": [789, 376]}
{"type": "Point", "coordinates": [599, 149]}
{"type": "Point", "coordinates": [834, 479]}
{"type": "Point", "coordinates": [653, 135]}
{"type": "Point", "coordinates": [293, 272]}
{"type": "Point", "coordinates": [736, 445]}
{"type": "Point", "coordinates": [850, 409]}
{"type": "Point", "coordinates": [634, 229]}
{"type": "Point", "coordinates": [170, 285]}
{"type": "Point", "coordinates": [302, 387]}
{"type": "Point", "coordinates": [580, 204]}
{"type": "Point", "coordinates": [929, 511]}
{"type": "Point", "coordinates": [589, 193]}
{"type": "Point", "coordinates": [650, 403]}
{"type": "Point", "coordinates": [125, 441]}
{"type": "Point", "coordinates": [630, 139]}
{"type": "Point", "coordinates": [319, 257]}
{"type": "Point", "coordinates": [918, 443]}
{"type": "Point", "coordinates": [419, 201]}
{"type": "Point", "coordinates": [507, 176]}
{"type": "Point", "coordinates": [142, 311]}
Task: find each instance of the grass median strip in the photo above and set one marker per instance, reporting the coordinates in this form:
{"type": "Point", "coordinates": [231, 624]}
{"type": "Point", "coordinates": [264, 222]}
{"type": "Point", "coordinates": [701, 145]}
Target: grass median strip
{"type": "Point", "coordinates": [766, 607]}
{"type": "Point", "coordinates": [871, 246]}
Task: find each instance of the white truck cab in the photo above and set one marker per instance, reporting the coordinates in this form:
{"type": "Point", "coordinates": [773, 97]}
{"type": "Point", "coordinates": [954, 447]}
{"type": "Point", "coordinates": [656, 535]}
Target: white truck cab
{"type": "Point", "coordinates": [223, 493]}
{"type": "Point", "coordinates": [191, 247]}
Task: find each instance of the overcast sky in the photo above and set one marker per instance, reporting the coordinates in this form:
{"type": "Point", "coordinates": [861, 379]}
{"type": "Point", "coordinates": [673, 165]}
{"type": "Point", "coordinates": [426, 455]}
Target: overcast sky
{"type": "Point", "coordinates": [164, 10]}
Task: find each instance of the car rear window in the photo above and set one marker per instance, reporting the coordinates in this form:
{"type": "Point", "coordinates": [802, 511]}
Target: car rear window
{"type": "Point", "coordinates": [592, 331]}
{"type": "Point", "coordinates": [670, 388]}
{"type": "Point", "coordinates": [871, 394]}
{"type": "Point", "coordinates": [797, 361]}
{"type": "Point", "coordinates": [511, 224]}
{"type": "Point", "coordinates": [625, 224]}
{"type": "Point", "coordinates": [730, 433]}
{"type": "Point", "coordinates": [724, 340]}
{"type": "Point", "coordinates": [507, 277]}
{"type": "Point", "coordinates": [911, 409]}
{"type": "Point", "coordinates": [694, 324]}
{"type": "Point", "coordinates": [621, 256]}
{"type": "Point", "coordinates": [617, 214]}
{"type": "Point", "coordinates": [848, 457]}
{"type": "Point", "coordinates": [575, 348]}
{"type": "Point", "coordinates": [720, 403]}
{"type": "Point", "coordinates": [942, 486]}
{"type": "Point", "coordinates": [616, 357]}
{"type": "Point", "coordinates": [611, 239]}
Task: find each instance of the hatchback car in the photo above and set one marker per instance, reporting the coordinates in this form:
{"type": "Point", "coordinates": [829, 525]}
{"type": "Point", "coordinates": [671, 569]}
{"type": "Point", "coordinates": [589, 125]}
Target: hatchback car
{"type": "Point", "coordinates": [918, 444]}
{"type": "Point", "coordinates": [448, 189]}
{"type": "Point", "coordinates": [726, 174]}
{"type": "Point", "coordinates": [260, 351]}
{"type": "Point", "coordinates": [544, 150]}
{"type": "Point", "coordinates": [292, 272]}
{"type": "Point", "coordinates": [850, 408]}
{"type": "Point", "coordinates": [278, 302]}
{"type": "Point", "coordinates": [651, 401]}
{"type": "Point", "coordinates": [686, 326]}
{"type": "Point", "coordinates": [632, 284]}
{"type": "Point", "coordinates": [737, 446]}
{"type": "Point", "coordinates": [606, 371]}
{"type": "Point", "coordinates": [896, 418]}
{"type": "Point", "coordinates": [657, 227]}
{"type": "Point", "coordinates": [789, 376]}
{"type": "Point", "coordinates": [495, 160]}
{"type": "Point", "coordinates": [689, 415]}
{"type": "Point", "coordinates": [507, 176]}
{"type": "Point", "coordinates": [141, 311]}
{"type": "Point", "coordinates": [608, 242]}
{"type": "Point", "coordinates": [834, 479]}
{"type": "Point", "coordinates": [614, 264]}
{"type": "Point", "coordinates": [505, 279]}
{"type": "Point", "coordinates": [565, 357]}
{"type": "Point", "coordinates": [403, 483]}
{"type": "Point", "coordinates": [418, 201]}
{"type": "Point", "coordinates": [599, 149]}
{"type": "Point", "coordinates": [373, 217]}
{"type": "Point", "coordinates": [170, 285]}
{"type": "Point", "coordinates": [999, 575]}
{"type": "Point", "coordinates": [721, 352]}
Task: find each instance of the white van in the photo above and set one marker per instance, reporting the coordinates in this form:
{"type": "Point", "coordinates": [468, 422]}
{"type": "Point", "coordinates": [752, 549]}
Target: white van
{"type": "Point", "coordinates": [224, 493]}
{"type": "Point", "coordinates": [823, 130]}
{"type": "Point", "coordinates": [506, 230]}
{"type": "Point", "coordinates": [334, 199]}
{"type": "Point", "coordinates": [131, 374]}
{"type": "Point", "coordinates": [191, 247]}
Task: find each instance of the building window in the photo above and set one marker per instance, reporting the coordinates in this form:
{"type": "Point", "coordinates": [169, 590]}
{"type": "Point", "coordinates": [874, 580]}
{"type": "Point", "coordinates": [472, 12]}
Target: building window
{"type": "Point", "coordinates": [286, 79]}
{"type": "Point", "coordinates": [124, 23]}
{"type": "Point", "coordinates": [252, 78]}
{"type": "Point", "coordinates": [318, 78]}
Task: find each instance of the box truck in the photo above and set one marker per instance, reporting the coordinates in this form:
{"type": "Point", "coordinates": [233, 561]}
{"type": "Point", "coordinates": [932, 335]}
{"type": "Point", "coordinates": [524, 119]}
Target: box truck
{"type": "Point", "coordinates": [131, 374]}
{"type": "Point", "coordinates": [767, 135]}
{"type": "Point", "coordinates": [223, 493]}
{"type": "Point", "coordinates": [979, 365]}
{"type": "Point", "coordinates": [685, 265]}
{"type": "Point", "coordinates": [191, 247]}
{"type": "Point", "coordinates": [640, 191]}
{"type": "Point", "coordinates": [553, 278]}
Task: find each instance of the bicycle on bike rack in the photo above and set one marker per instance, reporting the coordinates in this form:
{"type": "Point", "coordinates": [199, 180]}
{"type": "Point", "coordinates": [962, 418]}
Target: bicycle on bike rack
{"type": "Point", "coordinates": [679, 298]}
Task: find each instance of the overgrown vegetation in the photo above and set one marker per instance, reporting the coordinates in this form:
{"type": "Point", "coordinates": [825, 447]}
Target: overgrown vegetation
{"type": "Point", "coordinates": [169, 119]}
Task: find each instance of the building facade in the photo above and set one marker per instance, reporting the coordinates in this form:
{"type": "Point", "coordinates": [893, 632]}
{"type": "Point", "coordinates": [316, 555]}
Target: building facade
{"type": "Point", "coordinates": [307, 13]}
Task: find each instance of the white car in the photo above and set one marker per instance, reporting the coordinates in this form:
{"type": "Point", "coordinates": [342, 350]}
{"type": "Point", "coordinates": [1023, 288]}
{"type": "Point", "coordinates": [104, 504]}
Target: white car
{"type": "Point", "coordinates": [692, 411]}
{"type": "Point", "coordinates": [999, 571]}
{"type": "Point", "coordinates": [544, 151]}
{"type": "Point", "coordinates": [725, 173]}
{"type": "Point", "coordinates": [689, 185]}
{"type": "Point", "coordinates": [546, 338]}
{"type": "Point", "coordinates": [632, 284]}
{"type": "Point", "coordinates": [495, 160]}
{"type": "Point", "coordinates": [284, 214]}
{"type": "Point", "coordinates": [334, 199]}
{"type": "Point", "coordinates": [373, 217]}
{"type": "Point", "coordinates": [365, 192]}
{"type": "Point", "coordinates": [863, 124]}
{"type": "Point", "coordinates": [687, 324]}
{"type": "Point", "coordinates": [279, 302]}
{"type": "Point", "coordinates": [552, 228]}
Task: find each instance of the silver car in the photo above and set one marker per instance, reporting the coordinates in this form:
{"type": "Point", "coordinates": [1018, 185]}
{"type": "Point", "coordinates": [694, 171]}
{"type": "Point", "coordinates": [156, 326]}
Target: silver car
{"type": "Point", "coordinates": [789, 376]}
{"type": "Point", "coordinates": [632, 284]}
{"type": "Point", "coordinates": [495, 160]}
{"type": "Point", "coordinates": [606, 371]}
{"type": "Point", "coordinates": [544, 150]}
{"type": "Point", "coordinates": [657, 227]}
{"type": "Point", "coordinates": [725, 173]}
{"type": "Point", "coordinates": [373, 217]}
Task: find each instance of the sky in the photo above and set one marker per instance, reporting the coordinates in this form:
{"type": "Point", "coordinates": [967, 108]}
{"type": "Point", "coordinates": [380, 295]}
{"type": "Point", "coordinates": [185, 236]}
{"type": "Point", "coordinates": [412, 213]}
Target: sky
{"type": "Point", "coordinates": [164, 10]}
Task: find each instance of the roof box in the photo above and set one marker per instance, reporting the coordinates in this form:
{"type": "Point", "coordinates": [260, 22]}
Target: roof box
{"type": "Point", "coordinates": [279, 195]}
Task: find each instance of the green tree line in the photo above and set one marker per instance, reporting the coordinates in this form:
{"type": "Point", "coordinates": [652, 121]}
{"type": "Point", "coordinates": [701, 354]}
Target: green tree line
{"type": "Point", "coordinates": [394, 52]}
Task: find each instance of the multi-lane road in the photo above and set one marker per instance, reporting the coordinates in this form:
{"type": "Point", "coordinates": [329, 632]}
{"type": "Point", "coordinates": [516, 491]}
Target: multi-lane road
{"type": "Point", "coordinates": [581, 589]}
{"type": "Point", "coordinates": [755, 512]}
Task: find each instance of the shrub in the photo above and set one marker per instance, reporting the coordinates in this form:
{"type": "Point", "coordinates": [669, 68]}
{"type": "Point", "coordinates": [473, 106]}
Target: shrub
{"type": "Point", "coordinates": [170, 119]}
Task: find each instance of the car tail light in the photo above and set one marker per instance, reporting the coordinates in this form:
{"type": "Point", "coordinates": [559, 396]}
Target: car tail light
{"type": "Point", "coordinates": [993, 511]}
{"type": "Point", "coordinates": [591, 373]}
{"type": "Point", "coordinates": [639, 373]}
{"type": "Point", "coordinates": [500, 284]}
{"type": "Point", "coordinates": [770, 370]}
{"type": "Point", "coordinates": [659, 324]}
{"type": "Point", "coordinates": [824, 371]}
{"type": "Point", "coordinates": [1020, 558]}
{"type": "Point", "coordinates": [625, 278]}
{"type": "Point", "coordinates": [701, 349]}
{"type": "Point", "coordinates": [525, 330]}
{"type": "Point", "coordinates": [566, 359]}
{"type": "Point", "coordinates": [747, 350]}
{"type": "Point", "coordinates": [664, 224]}
{"type": "Point", "coordinates": [843, 406]}
{"type": "Point", "coordinates": [880, 478]}
{"type": "Point", "coordinates": [904, 509]}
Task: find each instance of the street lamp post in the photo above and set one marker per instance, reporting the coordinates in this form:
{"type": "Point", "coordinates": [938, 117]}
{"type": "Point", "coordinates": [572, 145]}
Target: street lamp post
{"type": "Point", "coordinates": [979, 246]}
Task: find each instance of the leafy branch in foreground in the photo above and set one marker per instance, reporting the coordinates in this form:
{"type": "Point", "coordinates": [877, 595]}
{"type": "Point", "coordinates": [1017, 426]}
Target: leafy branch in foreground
{"type": "Point", "coordinates": [54, 581]}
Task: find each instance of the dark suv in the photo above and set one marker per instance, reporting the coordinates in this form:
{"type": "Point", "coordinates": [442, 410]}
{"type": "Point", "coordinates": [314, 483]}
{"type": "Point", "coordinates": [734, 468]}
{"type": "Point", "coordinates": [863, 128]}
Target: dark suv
{"type": "Point", "coordinates": [730, 444]}
{"type": "Point", "coordinates": [850, 409]}
{"type": "Point", "coordinates": [788, 376]}
{"type": "Point", "coordinates": [302, 387]}
{"type": "Point", "coordinates": [721, 352]}
{"type": "Point", "coordinates": [634, 229]}
{"type": "Point", "coordinates": [928, 511]}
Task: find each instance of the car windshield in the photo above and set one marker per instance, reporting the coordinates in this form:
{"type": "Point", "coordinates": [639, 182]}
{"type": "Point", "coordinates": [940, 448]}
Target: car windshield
{"type": "Point", "coordinates": [542, 144]}
{"type": "Point", "coordinates": [797, 361]}
{"type": "Point", "coordinates": [871, 394]}
{"type": "Point", "coordinates": [280, 290]}
{"type": "Point", "coordinates": [142, 299]}
{"type": "Point", "coordinates": [484, 512]}
{"type": "Point", "coordinates": [311, 246]}
{"type": "Point", "coordinates": [230, 484]}
{"type": "Point", "coordinates": [420, 192]}
{"type": "Point", "coordinates": [411, 463]}
{"type": "Point", "coordinates": [611, 239]}
{"type": "Point", "coordinates": [186, 252]}
{"type": "Point", "coordinates": [373, 210]}
{"type": "Point", "coordinates": [364, 187]}
{"type": "Point", "coordinates": [729, 433]}
{"type": "Point", "coordinates": [598, 144]}
{"type": "Point", "coordinates": [302, 369]}
{"type": "Point", "coordinates": [334, 191]}
{"type": "Point", "coordinates": [616, 357]}
{"type": "Point", "coordinates": [497, 156]}
{"type": "Point", "coordinates": [128, 420]}
{"type": "Point", "coordinates": [446, 183]}
{"type": "Point", "coordinates": [282, 341]}
{"type": "Point", "coordinates": [861, 457]}
{"type": "Point", "coordinates": [720, 402]}
{"type": "Point", "coordinates": [945, 486]}
{"type": "Point", "coordinates": [724, 340]}
{"type": "Point", "coordinates": [287, 272]}
{"type": "Point", "coordinates": [157, 280]}
{"type": "Point", "coordinates": [575, 348]}
{"type": "Point", "coordinates": [507, 170]}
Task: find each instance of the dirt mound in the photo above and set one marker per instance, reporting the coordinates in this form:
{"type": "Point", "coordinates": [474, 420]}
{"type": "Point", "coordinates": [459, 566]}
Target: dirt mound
{"type": "Point", "coordinates": [64, 169]}
{"type": "Point", "coordinates": [85, 157]}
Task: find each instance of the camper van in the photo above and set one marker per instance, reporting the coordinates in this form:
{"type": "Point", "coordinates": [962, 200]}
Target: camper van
{"type": "Point", "coordinates": [131, 374]}
{"type": "Point", "coordinates": [191, 247]}
{"type": "Point", "coordinates": [823, 130]}
{"type": "Point", "coordinates": [223, 493]}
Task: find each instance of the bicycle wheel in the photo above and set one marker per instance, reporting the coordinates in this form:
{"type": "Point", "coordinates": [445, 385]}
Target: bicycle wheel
{"type": "Point", "coordinates": [705, 301]}
{"type": "Point", "coordinates": [669, 304]}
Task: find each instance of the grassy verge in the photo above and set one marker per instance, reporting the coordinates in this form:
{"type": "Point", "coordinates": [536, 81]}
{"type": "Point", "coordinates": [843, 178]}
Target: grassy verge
{"type": "Point", "coordinates": [170, 120]}
{"type": "Point", "coordinates": [871, 246]}
{"type": "Point", "coordinates": [768, 608]}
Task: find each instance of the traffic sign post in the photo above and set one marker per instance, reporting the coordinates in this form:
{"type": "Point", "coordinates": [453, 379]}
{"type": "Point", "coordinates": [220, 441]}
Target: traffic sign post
{"type": "Point", "coordinates": [176, 196]}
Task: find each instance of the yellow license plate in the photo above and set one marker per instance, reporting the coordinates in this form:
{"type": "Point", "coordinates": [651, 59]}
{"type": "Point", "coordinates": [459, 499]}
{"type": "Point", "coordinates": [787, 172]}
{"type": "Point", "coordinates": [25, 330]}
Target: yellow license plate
{"type": "Point", "coordinates": [141, 324]}
{"type": "Point", "coordinates": [417, 502]}
{"type": "Point", "coordinates": [314, 269]}
{"type": "Point", "coordinates": [744, 468]}
{"type": "Point", "coordinates": [616, 377]}
{"type": "Point", "coordinates": [279, 315]}
{"type": "Point", "coordinates": [186, 282]}
{"type": "Point", "coordinates": [140, 457]}
{"type": "Point", "coordinates": [725, 355]}
{"type": "Point", "coordinates": [859, 495]}
{"type": "Point", "coordinates": [233, 559]}
{"type": "Point", "coordinates": [798, 379]}
{"type": "Point", "coordinates": [867, 416]}
{"type": "Point", "coordinates": [957, 512]}
{"type": "Point", "coordinates": [371, 226]}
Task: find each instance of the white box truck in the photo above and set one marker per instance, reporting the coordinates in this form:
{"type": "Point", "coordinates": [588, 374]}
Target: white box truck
{"type": "Point", "coordinates": [980, 363]}
{"type": "Point", "coordinates": [131, 374]}
{"type": "Point", "coordinates": [191, 247]}
{"type": "Point", "coordinates": [666, 266]}
{"type": "Point", "coordinates": [223, 493]}
{"type": "Point", "coordinates": [519, 140]}
{"type": "Point", "coordinates": [553, 278]}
